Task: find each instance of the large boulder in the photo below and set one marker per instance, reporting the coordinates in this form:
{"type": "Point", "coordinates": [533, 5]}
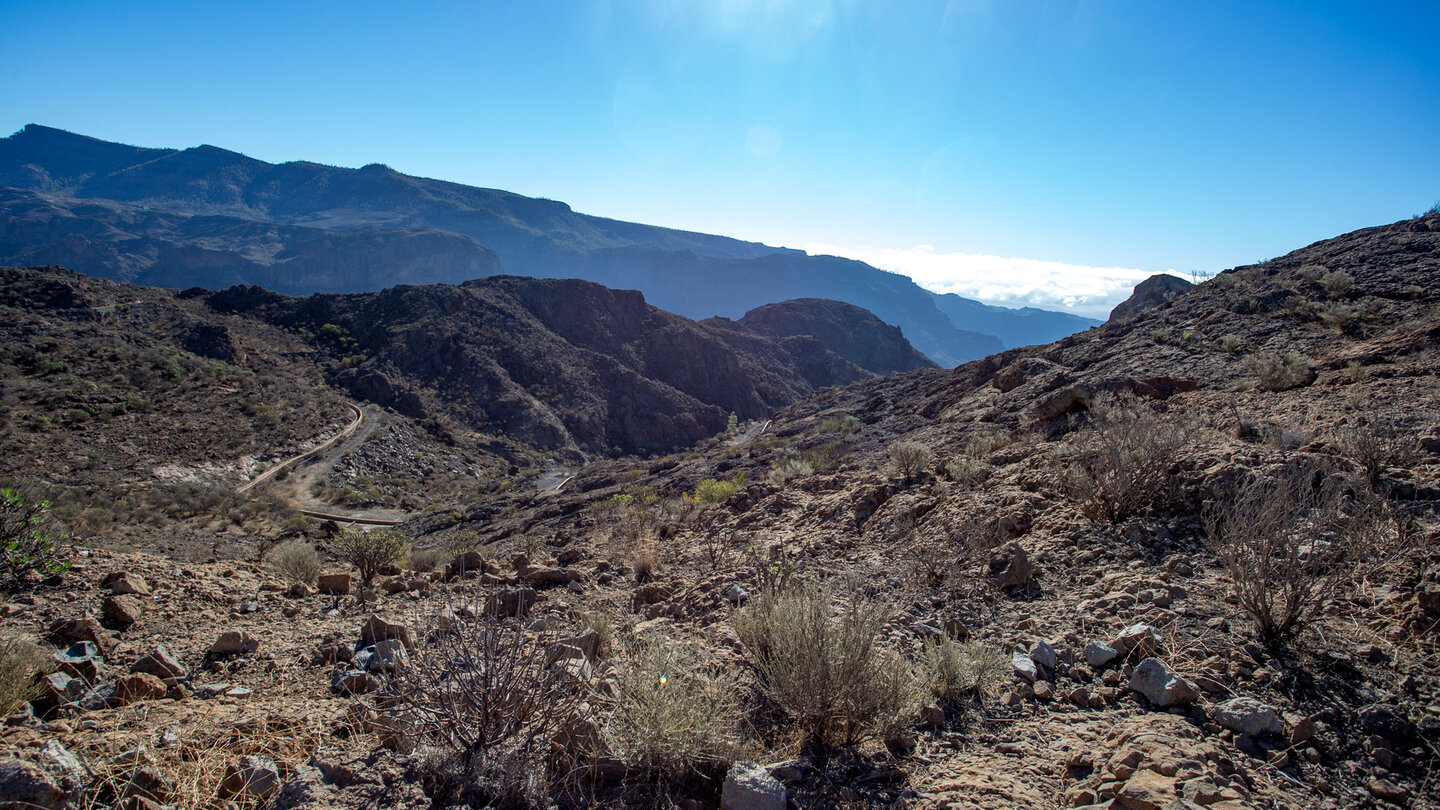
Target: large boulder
{"type": "Point", "coordinates": [27, 786]}
{"type": "Point", "coordinates": [1009, 566]}
{"type": "Point", "coordinates": [1247, 715]}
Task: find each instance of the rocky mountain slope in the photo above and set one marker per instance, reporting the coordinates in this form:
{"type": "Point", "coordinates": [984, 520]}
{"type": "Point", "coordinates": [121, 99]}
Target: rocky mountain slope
{"type": "Point", "coordinates": [302, 227]}
{"type": "Point", "coordinates": [1073, 526]}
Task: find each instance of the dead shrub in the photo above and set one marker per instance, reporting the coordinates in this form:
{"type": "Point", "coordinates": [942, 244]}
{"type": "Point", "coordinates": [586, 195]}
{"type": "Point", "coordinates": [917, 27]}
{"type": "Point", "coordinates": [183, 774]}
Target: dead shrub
{"type": "Point", "coordinates": [1375, 445]}
{"type": "Point", "coordinates": [482, 692]}
{"type": "Point", "coordinates": [369, 551]}
{"type": "Point", "coordinates": [1289, 540]}
{"type": "Point", "coordinates": [296, 562]}
{"type": "Point", "coordinates": [781, 472]}
{"type": "Point", "coordinates": [423, 560]}
{"type": "Point", "coordinates": [824, 668]}
{"type": "Point", "coordinates": [967, 471]}
{"type": "Point", "coordinates": [909, 459]}
{"type": "Point", "coordinates": [675, 718]}
{"type": "Point", "coordinates": [1121, 465]}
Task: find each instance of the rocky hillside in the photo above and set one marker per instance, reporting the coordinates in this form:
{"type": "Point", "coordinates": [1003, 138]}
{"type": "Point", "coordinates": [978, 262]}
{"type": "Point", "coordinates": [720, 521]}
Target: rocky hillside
{"type": "Point", "coordinates": [844, 328]}
{"type": "Point", "coordinates": [1065, 569]}
{"type": "Point", "coordinates": [213, 218]}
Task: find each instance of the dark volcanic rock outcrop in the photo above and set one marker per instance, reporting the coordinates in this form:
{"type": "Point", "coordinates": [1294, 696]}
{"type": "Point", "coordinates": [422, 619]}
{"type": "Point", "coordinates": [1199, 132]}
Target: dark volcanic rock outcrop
{"type": "Point", "coordinates": [845, 329]}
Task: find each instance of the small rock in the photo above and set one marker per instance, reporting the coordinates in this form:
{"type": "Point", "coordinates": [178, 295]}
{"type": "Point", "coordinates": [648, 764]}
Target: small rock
{"type": "Point", "coordinates": [334, 584]}
{"type": "Point", "coordinates": [1009, 566]}
{"type": "Point", "coordinates": [81, 659]}
{"type": "Point", "coordinates": [736, 594]}
{"type": "Point", "coordinates": [252, 777]}
{"type": "Point", "coordinates": [511, 602]}
{"type": "Point", "coordinates": [139, 686]}
{"type": "Point", "coordinates": [206, 691]}
{"type": "Point", "coordinates": [123, 582]}
{"type": "Point", "coordinates": [1245, 715]}
{"type": "Point", "coordinates": [160, 663]}
{"type": "Point", "coordinates": [1024, 666]}
{"type": "Point", "coordinates": [588, 642]}
{"type": "Point", "coordinates": [750, 787]}
{"type": "Point", "coordinates": [1044, 691]}
{"type": "Point", "coordinates": [1389, 791]}
{"type": "Point", "coordinates": [931, 717]}
{"type": "Point", "coordinates": [122, 611]}
{"type": "Point", "coordinates": [545, 577]}
{"type": "Point", "coordinates": [1098, 654]}
{"type": "Point", "coordinates": [298, 590]}
{"type": "Point", "coordinates": [354, 682]}
{"type": "Point", "coordinates": [67, 631]}
{"type": "Point", "coordinates": [234, 642]}
{"type": "Point", "coordinates": [1147, 790]}
{"type": "Point", "coordinates": [387, 656]}
{"type": "Point", "coordinates": [1162, 687]}
{"type": "Point", "coordinates": [1044, 656]}
{"type": "Point", "coordinates": [376, 629]}
{"type": "Point", "coordinates": [24, 785]}
{"type": "Point", "coordinates": [1139, 640]}
{"type": "Point", "coordinates": [151, 783]}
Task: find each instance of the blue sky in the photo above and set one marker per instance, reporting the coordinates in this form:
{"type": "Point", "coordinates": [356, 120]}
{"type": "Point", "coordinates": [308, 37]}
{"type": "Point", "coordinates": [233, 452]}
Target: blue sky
{"type": "Point", "coordinates": [1021, 151]}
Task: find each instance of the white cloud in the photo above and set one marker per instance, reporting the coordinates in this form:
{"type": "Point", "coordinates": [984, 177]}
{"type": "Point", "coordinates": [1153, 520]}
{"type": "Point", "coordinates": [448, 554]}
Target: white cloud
{"type": "Point", "coordinates": [1008, 282]}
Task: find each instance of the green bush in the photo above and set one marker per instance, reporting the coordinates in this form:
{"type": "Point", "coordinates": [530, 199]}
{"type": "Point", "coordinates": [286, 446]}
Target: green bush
{"type": "Point", "coordinates": [369, 551]}
{"type": "Point", "coordinates": [712, 490]}
{"type": "Point", "coordinates": [26, 544]}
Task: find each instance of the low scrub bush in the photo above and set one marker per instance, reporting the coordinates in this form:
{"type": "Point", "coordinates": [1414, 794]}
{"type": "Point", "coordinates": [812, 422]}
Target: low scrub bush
{"type": "Point", "coordinates": [1289, 540]}
{"type": "Point", "coordinates": [781, 472]}
{"type": "Point", "coordinates": [1337, 283]}
{"type": "Point", "coordinates": [482, 692]}
{"type": "Point", "coordinates": [828, 673]}
{"type": "Point", "coordinates": [714, 490]}
{"type": "Point", "coordinates": [966, 471]}
{"type": "Point", "coordinates": [296, 562]}
{"type": "Point", "coordinates": [840, 424]}
{"type": "Point", "coordinates": [958, 672]}
{"type": "Point", "coordinates": [369, 551]}
{"type": "Point", "coordinates": [674, 718]}
{"type": "Point", "coordinates": [1121, 464]}
{"type": "Point", "coordinates": [1281, 372]}
{"type": "Point", "coordinates": [423, 560]}
{"type": "Point", "coordinates": [21, 662]}
{"type": "Point", "coordinates": [1376, 445]}
{"type": "Point", "coordinates": [909, 459]}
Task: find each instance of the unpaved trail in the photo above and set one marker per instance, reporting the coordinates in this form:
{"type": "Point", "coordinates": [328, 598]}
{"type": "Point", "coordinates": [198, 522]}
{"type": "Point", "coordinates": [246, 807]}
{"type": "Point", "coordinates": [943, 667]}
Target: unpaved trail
{"type": "Point", "coordinates": [308, 468]}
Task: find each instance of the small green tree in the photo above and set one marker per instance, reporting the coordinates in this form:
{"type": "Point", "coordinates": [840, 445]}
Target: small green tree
{"type": "Point", "coordinates": [26, 545]}
{"type": "Point", "coordinates": [369, 551]}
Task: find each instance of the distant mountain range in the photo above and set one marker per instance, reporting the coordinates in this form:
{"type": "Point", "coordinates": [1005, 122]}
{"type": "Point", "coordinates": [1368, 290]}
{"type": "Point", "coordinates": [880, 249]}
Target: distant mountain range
{"type": "Point", "coordinates": [212, 218]}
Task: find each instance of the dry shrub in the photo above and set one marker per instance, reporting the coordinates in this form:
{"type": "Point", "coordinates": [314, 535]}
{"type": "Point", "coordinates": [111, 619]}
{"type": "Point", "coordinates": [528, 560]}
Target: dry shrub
{"type": "Point", "coordinates": [958, 672]}
{"type": "Point", "coordinates": [986, 442]}
{"type": "Point", "coordinates": [1281, 372]}
{"type": "Point", "coordinates": [909, 459]}
{"type": "Point", "coordinates": [423, 560]}
{"type": "Point", "coordinates": [1122, 464]}
{"type": "Point", "coordinates": [369, 551]}
{"type": "Point", "coordinates": [21, 662]}
{"type": "Point", "coordinates": [1231, 344]}
{"type": "Point", "coordinates": [1288, 542]}
{"type": "Point", "coordinates": [603, 625]}
{"type": "Point", "coordinates": [967, 471]}
{"type": "Point", "coordinates": [481, 691]}
{"type": "Point", "coordinates": [674, 717]}
{"type": "Point", "coordinates": [296, 562]}
{"type": "Point", "coordinates": [1337, 283]}
{"type": "Point", "coordinates": [645, 560]}
{"type": "Point", "coordinates": [1376, 445]}
{"type": "Point", "coordinates": [828, 673]}
{"type": "Point", "coordinates": [781, 472]}
{"type": "Point", "coordinates": [1337, 314]}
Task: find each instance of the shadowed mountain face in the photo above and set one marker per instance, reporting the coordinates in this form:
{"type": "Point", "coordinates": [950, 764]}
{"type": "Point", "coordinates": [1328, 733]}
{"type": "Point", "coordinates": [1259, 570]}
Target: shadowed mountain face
{"type": "Point", "coordinates": [210, 217]}
{"type": "Point", "coordinates": [846, 329]}
{"type": "Point", "coordinates": [566, 365]}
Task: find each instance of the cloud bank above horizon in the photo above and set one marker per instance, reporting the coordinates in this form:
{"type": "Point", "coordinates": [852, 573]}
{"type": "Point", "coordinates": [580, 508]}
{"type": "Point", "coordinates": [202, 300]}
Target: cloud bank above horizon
{"type": "Point", "coordinates": [1003, 281]}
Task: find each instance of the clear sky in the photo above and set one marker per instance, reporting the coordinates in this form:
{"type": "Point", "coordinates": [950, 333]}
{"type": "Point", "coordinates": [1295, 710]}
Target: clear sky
{"type": "Point", "coordinates": [1044, 151]}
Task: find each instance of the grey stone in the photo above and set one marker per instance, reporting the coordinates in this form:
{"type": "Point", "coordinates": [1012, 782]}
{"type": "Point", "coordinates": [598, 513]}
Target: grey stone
{"type": "Point", "coordinates": [387, 656]}
{"type": "Point", "coordinates": [511, 602]}
{"type": "Point", "coordinates": [1139, 640]}
{"type": "Point", "coordinates": [1024, 666]}
{"type": "Point", "coordinates": [65, 769]}
{"type": "Point", "coordinates": [354, 682]}
{"type": "Point", "coordinates": [81, 659]}
{"type": "Point", "coordinates": [1098, 654]}
{"type": "Point", "coordinates": [1044, 656]}
{"type": "Point", "coordinates": [1248, 716]}
{"type": "Point", "coordinates": [1162, 687]}
{"type": "Point", "coordinates": [750, 787]}
{"type": "Point", "coordinates": [251, 777]}
{"type": "Point", "coordinates": [305, 788]}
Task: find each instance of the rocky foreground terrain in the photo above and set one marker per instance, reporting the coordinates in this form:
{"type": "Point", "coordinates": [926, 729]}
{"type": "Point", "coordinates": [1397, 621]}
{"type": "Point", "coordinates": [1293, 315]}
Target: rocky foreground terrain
{"type": "Point", "coordinates": [1103, 531]}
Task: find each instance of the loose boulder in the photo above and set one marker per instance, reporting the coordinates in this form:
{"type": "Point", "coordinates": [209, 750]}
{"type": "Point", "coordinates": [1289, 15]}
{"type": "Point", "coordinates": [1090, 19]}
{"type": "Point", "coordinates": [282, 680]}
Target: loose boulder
{"type": "Point", "coordinates": [750, 787]}
{"type": "Point", "coordinates": [1247, 715]}
{"type": "Point", "coordinates": [1162, 687]}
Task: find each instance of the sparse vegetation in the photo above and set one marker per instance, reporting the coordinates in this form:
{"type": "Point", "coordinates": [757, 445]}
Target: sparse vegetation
{"type": "Point", "coordinates": [1281, 372]}
{"type": "Point", "coordinates": [714, 490]}
{"type": "Point", "coordinates": [674, 717]}
{"type": "Point", "coordinates": [960, 672]}
{"type": "Point", "coordinates": [369, 551]}
{"type": "Point", "coordinates": [829, 674]}
{"type": "Point", "coordinates": [1121, 465]}
{"type": "Point", "coordinates": [1375, 445]}
{"type": "Point", "coordinates": [783, 471]}
{"type": "Point", "coordinates": [909, 459]}
{"type": "Point", "coordinates": [296, 562]}
{"type": "Point", "coordinates": [423, 560]}
{"type": "Point", "coordinates": [1337, 284]}
{"type": "Point", "coordinates": [21, 662]}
